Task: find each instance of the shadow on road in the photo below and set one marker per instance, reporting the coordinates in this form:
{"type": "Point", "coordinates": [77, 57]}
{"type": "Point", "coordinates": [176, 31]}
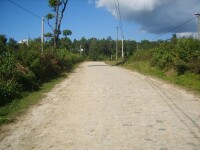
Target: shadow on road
{"type": "Point", "coordinates": [98, 65]}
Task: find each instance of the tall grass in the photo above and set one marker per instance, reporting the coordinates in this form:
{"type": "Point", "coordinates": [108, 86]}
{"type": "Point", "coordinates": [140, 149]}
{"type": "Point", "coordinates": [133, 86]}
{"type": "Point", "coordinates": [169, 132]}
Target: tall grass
{"type": "Point", "coordinates": [188, 80]}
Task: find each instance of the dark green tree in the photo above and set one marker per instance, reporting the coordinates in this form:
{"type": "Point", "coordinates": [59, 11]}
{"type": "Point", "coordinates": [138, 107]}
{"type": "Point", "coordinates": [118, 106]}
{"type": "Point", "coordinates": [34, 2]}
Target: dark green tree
{"type": "Point", "coordinates": [130, 47]}
{"type": "Point", "coordinates": [3, 41]}
{"type": "Point", "coordinates": [65, 43]}
{"type": "Point", "coordinates": [48, 35]}
{"type": "Point", "coordinates": [12, 44]}
{"type": "Point", "coordinates": [145, 45]}
{"type": "Point", "coordinates": [67, 32]}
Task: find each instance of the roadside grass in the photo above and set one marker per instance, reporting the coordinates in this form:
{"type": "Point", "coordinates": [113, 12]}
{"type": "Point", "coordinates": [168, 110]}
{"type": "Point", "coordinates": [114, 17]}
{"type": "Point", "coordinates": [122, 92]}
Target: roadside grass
{"type": "Point", "coordinates": [9, 112]}
{"type": "Point", "coordinates": [188, 80]}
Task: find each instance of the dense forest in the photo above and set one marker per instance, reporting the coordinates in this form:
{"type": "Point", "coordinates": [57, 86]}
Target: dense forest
{"type": "Point", "coordinates": [93, 48]}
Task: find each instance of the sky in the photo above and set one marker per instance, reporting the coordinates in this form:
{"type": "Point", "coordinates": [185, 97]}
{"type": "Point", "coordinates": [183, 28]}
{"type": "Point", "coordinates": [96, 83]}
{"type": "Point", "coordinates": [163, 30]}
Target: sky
{"type": "Point", "coordinates": [141, 19]}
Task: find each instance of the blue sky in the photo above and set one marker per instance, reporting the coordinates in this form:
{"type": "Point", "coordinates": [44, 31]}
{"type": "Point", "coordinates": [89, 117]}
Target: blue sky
{"type": "Point", "coordinates": [87, 18]}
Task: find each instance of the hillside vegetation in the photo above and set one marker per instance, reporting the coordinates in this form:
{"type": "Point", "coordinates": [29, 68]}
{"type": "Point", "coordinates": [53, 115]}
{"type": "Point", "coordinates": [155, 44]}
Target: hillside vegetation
{"type": "Point", "coordinates": [175, 60]}
{"type": "Point", "coordinates": [23, 68]}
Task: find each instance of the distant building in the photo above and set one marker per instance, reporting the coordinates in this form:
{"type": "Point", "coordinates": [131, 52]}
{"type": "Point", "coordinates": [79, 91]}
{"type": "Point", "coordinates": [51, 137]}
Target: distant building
{"type": "Point", "coordinates": [25, 41]}
{"type": "Point", "coordinates": [81, 51]}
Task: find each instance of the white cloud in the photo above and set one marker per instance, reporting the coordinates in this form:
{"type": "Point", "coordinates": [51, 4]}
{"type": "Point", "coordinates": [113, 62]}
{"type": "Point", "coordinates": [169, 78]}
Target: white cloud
{"type": "Point", "coordinates": [156, 16]}
{"type": "Point", "coordinates": [130, 5]}
{"type": "Point", "coordinates": [187, 34]}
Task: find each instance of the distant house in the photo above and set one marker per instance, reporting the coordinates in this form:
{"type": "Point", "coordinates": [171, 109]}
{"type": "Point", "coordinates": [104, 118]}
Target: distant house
{"type": "Point", "coordinates": [25, 41]}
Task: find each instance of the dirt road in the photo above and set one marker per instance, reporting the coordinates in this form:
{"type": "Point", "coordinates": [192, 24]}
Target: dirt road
{"type": "Point", "coordinates": [100, 107]}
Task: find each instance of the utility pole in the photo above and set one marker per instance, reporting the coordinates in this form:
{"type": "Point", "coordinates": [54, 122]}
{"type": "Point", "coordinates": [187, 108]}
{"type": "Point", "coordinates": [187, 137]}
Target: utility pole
{"type": "Point", "coordinates": [198, 16]}
{"type": "Point", "coordinates": [80, 49]}
{"type": "Point", "coordinates": [42, 35]}
{"type": "Point", "coordinates": [122, 45]}
{"type": "Point", "coordinates": [117, 43]}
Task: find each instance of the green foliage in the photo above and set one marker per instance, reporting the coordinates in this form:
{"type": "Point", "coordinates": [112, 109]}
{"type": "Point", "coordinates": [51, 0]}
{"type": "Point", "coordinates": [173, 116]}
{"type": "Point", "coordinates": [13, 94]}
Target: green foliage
{"type": "Point", "coordinates": [12, 44]}
{"type": "Point", "coordinates": [7, 66]}
{"type": "Point", "coordinates": [48, 35]}
{"type": "Point", "coordinates": [9, 90]}
{"type": "Point", "coordinates": [176, 60]}
{"type": "Point", "coordinates": [188, 80]}
{"type": "Point", "coordinates": [65, 43]}
{"type": "Point", "coordinates": [130, 47]}
{"type": "Point", "coordinates": [95, 49]}
{"type": "Point", "coordinates": [3, 41]}
{"type": "Point", "coordinates": [25, 68]}
{"type": "Point", "coordinates": [162, 58]}
{"type": "Point", "coordinates": [67, 32]}
{"type": "Point", "coordinates": [50, 16]}
{"type": "Point", "coordinates": [16, 107]}
{"type": "Point", "coordinates": [188, 52]}
{"type": "Point", "coordinates": [54, 3]}
{"type": "Point", "coordinates": [142, 55]}
{"type": "Point", "coordinates": [179, 54]}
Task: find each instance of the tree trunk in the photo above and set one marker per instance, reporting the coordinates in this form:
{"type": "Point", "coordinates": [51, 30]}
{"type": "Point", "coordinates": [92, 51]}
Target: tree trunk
{"type": "Point", "coordinates": [58, 21]}
{"type": "Point", "coordinates": [56, 30]}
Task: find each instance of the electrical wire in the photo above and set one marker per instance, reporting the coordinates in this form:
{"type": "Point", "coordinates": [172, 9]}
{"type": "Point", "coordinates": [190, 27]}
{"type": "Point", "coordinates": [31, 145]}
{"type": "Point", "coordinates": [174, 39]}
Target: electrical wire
{"type": "Point", "coordinates": [175, 28]}
{"type": "Point", "coordinates": [120, 17]}
{"type": "Point", "coordinates": [28, 11]}
{"type": "Point", "coordinates": [117, 7]}
{"type": "Point", "coordinates": [160, 35]}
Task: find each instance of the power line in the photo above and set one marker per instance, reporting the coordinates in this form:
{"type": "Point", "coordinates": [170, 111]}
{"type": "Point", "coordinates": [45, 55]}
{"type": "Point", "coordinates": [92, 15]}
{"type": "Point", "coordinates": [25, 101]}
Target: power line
{"type": "Point", "coordinates": [176, 27]}
{"type": "Point", "coordinates": [42, 35]}
{"type": "Point", "coordinates": [120, 17]}
{"type": "Point", "coordinates": [28, 11]}
{"type": "Point", "coordinates": [116, 8]}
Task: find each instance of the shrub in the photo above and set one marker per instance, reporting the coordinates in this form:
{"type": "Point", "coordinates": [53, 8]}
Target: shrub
{"type": "Point", "coordinates": [25, 69]}
{"type": "Point", "coordinates": [26, 78]}
{"type": "Point", "coordinates": [142, 55]}
{"type": "Point", "coordinates": [178, 54]}
{"type": "Point", "coordinates": [9, 90]}
{"type": "Point", "coordinates": [181, 67]}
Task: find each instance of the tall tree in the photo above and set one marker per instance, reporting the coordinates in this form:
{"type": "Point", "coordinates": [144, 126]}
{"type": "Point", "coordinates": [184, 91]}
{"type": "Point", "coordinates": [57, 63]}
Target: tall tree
{"type": "Point", "coordinates": [58, 7]}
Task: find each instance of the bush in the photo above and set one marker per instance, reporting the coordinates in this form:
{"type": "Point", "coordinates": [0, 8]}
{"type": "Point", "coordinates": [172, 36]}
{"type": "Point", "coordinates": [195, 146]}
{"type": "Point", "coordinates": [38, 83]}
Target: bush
{"type": "Point", "coordinates": [178, 54]}
{"type": "Point", "coordinates": [142, 55]}
{"type": "Point", "coordinates": [181, 67]}
{"type": "Point", "coordinates": [9, 90]}
{"type": "Point", "coordinates": [25, 69]}
{"type": "Point", "coordinates": [26, 78]}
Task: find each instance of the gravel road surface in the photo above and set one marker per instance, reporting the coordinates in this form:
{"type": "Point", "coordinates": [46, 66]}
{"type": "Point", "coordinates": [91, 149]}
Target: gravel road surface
{"type": "Point", "coordinates": [101, 107]}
